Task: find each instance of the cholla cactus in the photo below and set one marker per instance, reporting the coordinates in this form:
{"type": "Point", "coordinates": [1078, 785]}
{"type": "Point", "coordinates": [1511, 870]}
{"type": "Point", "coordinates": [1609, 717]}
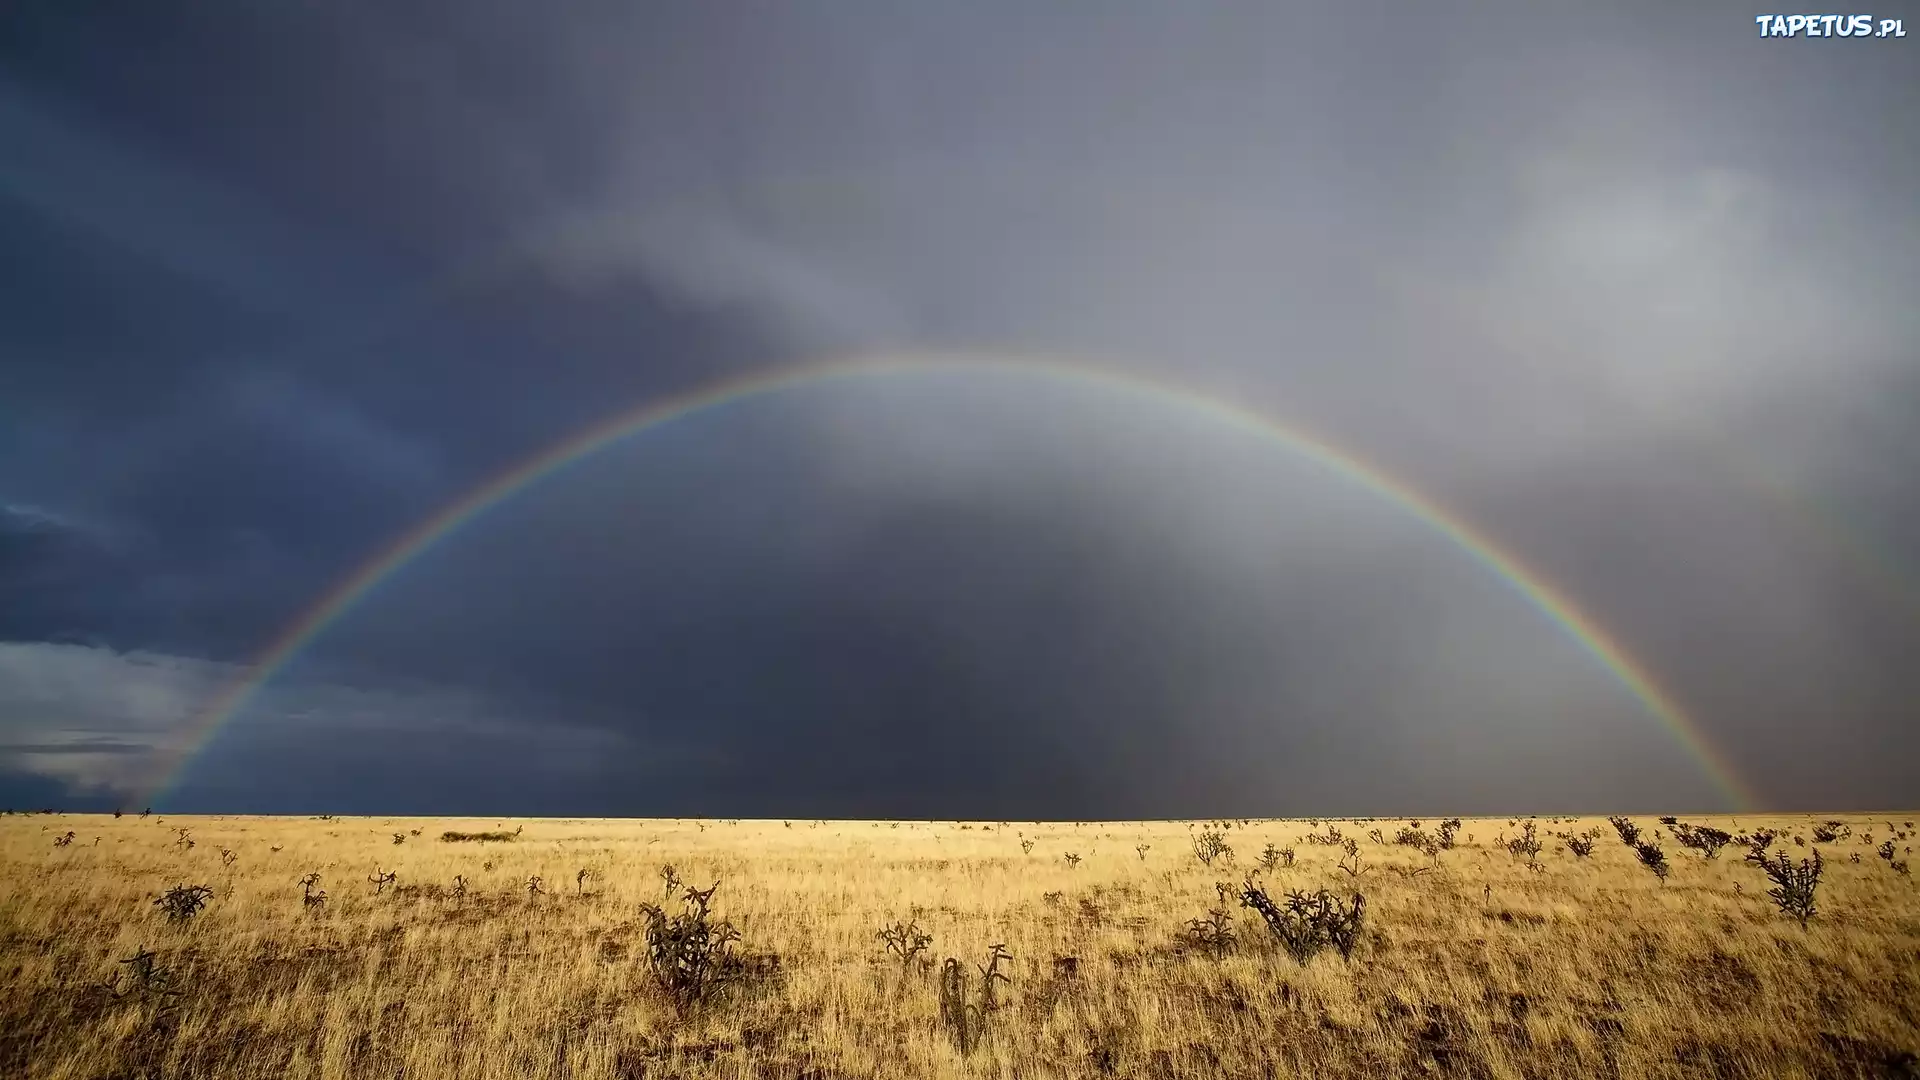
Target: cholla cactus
{"type": "Point", "coordinates": [1307, 922]}
{"type": "Point", "coordinates": [183, 902]}
{"type": "Point", "coordinates": [1653, 859]}
{"type": "Point", "coordinates": [690, 954]}
{"type": "Point", "coordinates": [1351, 860]}
{"type": "Point", "coordinates": [966, 1019]}
{"type": "Point", "coordinates": [1526, 845]}
{"type": "Point", "coordinates": [1831, 832]}
{"type": "Point", "coordinates": [1213, 934]}
{"type": "Point", "coordinates": [1581, 844]}
{"type": "Point", "coordinates": [1211, 844]}
{"type": "Point", "coordinates": [1702, 838]}
{"type": "Point", "coordinates": [1794, 885]}
{"type": "Point", "coordinates": [1331, 838]}
{"type": "Point", "coordinates": [141, 974]}
{"type": "Point", "coordinates": [906, 941]}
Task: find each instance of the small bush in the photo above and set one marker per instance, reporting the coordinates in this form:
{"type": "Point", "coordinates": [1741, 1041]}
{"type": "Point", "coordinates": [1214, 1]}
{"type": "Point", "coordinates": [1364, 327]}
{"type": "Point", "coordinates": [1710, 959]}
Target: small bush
{"type": "Point", "coordinates": [453, 837]}
{"type": "Point", "coordinates": [1448, 829]}
{"type": "Point", "coordinates": [1831, 832]}
{"type": "Point", "coordinates": [1629, 832]}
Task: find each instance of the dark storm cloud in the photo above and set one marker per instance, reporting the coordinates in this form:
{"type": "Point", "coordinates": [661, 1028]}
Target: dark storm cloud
{"type": "Point", "coordinates": [1629, 287]}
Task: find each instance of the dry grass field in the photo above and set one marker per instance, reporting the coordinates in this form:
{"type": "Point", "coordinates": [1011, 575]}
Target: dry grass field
{"type": "Point", "coordinates": [1478, 965]}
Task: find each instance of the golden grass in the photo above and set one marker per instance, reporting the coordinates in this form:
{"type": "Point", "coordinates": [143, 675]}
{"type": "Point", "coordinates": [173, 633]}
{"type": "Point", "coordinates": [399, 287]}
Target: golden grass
{"type": "Point", "coordinates": [1587, 967]}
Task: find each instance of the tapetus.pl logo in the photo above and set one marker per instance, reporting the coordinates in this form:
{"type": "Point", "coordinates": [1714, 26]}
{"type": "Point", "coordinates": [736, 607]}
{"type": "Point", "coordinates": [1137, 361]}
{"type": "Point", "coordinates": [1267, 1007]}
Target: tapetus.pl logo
{"type": "Point", "coordinates": [1827, 26]}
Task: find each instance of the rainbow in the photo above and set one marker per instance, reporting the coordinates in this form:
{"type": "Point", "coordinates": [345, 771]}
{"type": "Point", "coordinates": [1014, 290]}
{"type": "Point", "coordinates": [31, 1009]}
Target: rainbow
{"type": "Point", "coordinates": [349, 591]}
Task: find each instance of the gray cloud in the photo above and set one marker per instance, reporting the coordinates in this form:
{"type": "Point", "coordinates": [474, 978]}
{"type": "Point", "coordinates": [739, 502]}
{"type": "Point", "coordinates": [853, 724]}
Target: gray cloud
{"type": "Point", "coordinates": [61, 702]}
{"type": "Point", "coordinates": [103, 723]}
{"type": "Point", "coordinates": [1618, 286]}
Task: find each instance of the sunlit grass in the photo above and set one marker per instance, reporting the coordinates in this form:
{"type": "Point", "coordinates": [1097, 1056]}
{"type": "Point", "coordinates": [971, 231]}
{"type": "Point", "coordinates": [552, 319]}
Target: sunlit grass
{"type": "Point", "coordinates": [1480, 967]}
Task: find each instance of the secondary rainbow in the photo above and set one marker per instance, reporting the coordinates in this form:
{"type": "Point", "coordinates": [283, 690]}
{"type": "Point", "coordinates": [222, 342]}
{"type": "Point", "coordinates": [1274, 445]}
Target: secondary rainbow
{"type": "Point", "coordinates": [209, 721]}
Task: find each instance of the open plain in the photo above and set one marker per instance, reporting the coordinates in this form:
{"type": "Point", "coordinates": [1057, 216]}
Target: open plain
{"type": "Point", "coordinates": [526, 955]}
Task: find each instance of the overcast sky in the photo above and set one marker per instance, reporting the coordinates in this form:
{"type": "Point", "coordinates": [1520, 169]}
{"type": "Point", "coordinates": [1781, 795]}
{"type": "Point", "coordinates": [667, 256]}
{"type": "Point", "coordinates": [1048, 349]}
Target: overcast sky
{"type": "Point", "coordinates": [1628, 288]}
